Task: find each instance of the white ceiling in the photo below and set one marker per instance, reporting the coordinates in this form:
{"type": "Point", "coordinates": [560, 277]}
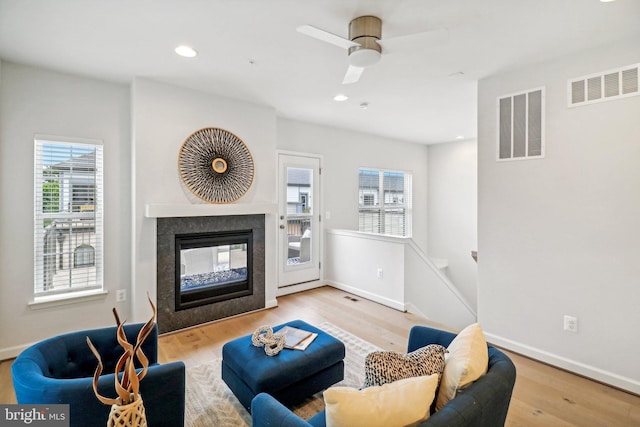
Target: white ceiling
{"type": "Point", "coordinates": [250, 50]}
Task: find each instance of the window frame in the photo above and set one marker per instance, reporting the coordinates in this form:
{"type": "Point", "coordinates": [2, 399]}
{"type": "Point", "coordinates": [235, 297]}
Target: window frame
{"type": "Point", "coordinates": [374, 200]}
{"type": "Point", "coordinates": [80, 225]}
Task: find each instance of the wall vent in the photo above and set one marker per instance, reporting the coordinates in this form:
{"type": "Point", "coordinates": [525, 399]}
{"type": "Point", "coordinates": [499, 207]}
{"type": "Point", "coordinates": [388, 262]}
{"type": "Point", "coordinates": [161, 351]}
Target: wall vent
{"type": "Point", "coordinates": [604, 86]}
{"type": "Point", "coordinates": [521, 125]}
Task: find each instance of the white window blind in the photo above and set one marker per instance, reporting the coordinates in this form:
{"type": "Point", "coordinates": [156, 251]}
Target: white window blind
{"type": "Point", "coordinates": [68, 236]}
{"type": "Point", "coordinates": [384, 202]}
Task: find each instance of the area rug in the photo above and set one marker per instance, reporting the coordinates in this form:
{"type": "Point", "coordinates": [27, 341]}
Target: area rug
{"type": "Point", "coordinates": [209, 402]}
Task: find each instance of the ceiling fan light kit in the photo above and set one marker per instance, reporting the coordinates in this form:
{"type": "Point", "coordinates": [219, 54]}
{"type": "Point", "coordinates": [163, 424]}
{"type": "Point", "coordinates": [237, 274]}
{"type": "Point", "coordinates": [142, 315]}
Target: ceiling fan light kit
{"type": "Point", "coordinates": [366, 31]}
{"type": "Point", "coordinates": [363, 56]}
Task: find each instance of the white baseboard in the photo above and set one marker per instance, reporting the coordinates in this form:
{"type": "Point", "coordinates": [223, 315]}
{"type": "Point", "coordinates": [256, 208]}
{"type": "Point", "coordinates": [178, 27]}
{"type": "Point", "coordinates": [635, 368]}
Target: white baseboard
{"type": "Point", "coordinates": [11, 352]}
{"type": "Point", "coordinates": [368, 295]}
{"type": "Point", "coordinates": [292, 289]}
{"type": "Point", "coordinates": [576, 367]}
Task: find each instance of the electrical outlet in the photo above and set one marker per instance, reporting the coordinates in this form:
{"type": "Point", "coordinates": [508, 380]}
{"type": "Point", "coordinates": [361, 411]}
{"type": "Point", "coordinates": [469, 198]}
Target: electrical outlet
{"type": "Point", "coordinates": [379, 273]}
{"type": "Point", "coordinates": [121, 295]}
{"type": "Point", "coordinates": [571, 324]}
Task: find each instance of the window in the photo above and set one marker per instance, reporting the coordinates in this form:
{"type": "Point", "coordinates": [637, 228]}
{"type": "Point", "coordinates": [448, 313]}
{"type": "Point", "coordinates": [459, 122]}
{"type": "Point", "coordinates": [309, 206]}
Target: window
{"type": "Point", "coordinates": [84, 256]}
{"type": "Point", "coordinates": [384, 202]}
{"type": "Point", "coordinates": [68, 215]}
{"type": "Point", "coordinates": [82, 197]}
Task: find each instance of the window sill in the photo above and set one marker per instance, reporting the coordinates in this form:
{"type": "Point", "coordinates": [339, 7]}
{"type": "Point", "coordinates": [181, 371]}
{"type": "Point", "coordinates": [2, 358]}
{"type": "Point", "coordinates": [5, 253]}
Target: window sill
{"type": "Point", "coordinates": [64, 299]}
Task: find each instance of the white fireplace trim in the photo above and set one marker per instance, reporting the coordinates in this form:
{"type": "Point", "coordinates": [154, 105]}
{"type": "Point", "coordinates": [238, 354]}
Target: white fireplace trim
{"type": "Point", "coordinates": [153, 210]}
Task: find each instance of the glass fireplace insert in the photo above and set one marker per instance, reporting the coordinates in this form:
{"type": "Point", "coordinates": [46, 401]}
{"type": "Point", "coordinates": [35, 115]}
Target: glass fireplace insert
{"type": "Point", "coordinates": [212, 267]}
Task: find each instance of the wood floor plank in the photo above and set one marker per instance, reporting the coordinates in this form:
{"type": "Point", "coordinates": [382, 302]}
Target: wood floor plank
{"type": "Point", "coordinates": [543, 395]}
{"type": "Point", "coordinates": [6, 386]}
{"type": "Point", "coordinates": [523, 414]}
{"type": "Point", "coordinates": [559, 392]}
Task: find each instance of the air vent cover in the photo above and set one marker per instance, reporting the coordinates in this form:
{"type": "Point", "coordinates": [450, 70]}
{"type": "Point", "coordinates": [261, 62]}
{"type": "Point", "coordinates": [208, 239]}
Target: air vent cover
{"type": "Point", "coordinates": [604, 86]}
{"type": "Point", "coordinates": [521, 125]}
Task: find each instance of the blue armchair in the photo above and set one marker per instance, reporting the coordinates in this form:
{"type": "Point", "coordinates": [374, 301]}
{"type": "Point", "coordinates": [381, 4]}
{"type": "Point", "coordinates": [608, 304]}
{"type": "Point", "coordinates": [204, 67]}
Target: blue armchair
{"type": "Point", "coordinates": [60, 370]}
{"type": "Point", "coordinates": [483, 403]}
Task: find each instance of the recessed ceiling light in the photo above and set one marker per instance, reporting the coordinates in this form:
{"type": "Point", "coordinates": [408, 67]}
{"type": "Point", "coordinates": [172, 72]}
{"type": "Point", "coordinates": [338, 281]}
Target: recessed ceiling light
{"type": "Point", "coordinates": [364, 105]}
{"type": "Point", "coordinates": [186, 51]}
{"type": "Point", "coordinates": [460, 137]}
{"type": "Point", "coordinates": [340, 97]}
{"type": "Point", "coordinates": [606, 1]}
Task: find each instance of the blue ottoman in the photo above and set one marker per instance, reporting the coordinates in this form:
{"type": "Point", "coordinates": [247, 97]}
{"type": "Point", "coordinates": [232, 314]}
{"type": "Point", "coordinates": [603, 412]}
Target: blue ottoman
{"type": "Point", "coordinates": [291, 376]}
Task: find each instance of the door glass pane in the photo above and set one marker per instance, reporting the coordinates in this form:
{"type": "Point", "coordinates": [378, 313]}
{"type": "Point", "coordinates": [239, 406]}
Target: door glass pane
{"type": "Point", "coordinates": [299, 215]}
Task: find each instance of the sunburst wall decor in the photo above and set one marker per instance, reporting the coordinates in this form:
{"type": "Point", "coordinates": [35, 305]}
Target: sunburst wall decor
{"type": "Point", "coordinates": [215, 165]}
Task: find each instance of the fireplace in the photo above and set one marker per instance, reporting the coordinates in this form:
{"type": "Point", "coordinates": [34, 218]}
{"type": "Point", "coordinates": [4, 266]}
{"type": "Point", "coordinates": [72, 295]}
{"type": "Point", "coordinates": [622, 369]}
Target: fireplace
{"type": "Point", "coordinates": [213, 267]}
{"type": "Point", "coordinates": [209, 268]}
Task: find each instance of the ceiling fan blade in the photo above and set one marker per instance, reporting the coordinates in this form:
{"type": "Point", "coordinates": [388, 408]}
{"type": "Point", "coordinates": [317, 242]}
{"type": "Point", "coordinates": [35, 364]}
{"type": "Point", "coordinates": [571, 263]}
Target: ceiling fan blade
{"type": "Point", "coordinates": [326, 36]}
{"type": "Point", "coordinates": [353, 75]}
{"type": "Point", "coordinates": [421, 40]}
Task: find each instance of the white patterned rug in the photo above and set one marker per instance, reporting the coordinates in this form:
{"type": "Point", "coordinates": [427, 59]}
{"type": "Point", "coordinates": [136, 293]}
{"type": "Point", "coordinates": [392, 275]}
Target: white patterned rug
{"type": "Point", "coordinates": [209, 402]}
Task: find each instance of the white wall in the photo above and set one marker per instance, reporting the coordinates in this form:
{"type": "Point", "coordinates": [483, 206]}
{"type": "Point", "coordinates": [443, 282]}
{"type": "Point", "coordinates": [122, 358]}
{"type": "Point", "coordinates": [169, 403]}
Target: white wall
{"type": "Point", "coordinates": [431, 294]}
{"type": "Point", "coordinates": [163, 117]}
{"type": "Point", "coordinates": [453, 211]}
{"type": "Point", "coordinates": [343, 153]}
{"type": "Point", "coordinates": [560, 235]}
{"type": "Point", "coordinates": [395, 272]}
{"type": "Point", "coordinates": [37, 101]}
{"type": "Point", "coordinates": [352, 262]}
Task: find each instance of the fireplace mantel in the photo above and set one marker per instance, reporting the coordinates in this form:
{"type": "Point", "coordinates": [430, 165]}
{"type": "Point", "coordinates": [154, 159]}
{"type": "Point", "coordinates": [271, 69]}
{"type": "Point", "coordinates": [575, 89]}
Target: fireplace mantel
{"type": "Point", "coordinates": [154, 210]}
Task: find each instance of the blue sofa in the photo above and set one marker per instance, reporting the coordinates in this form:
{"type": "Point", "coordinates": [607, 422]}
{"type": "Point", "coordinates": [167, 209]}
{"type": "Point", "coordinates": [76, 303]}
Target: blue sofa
{"type": "Point", "coordinates": [483, 404]}
{"type": "Point", "coordinates": [60, 370]}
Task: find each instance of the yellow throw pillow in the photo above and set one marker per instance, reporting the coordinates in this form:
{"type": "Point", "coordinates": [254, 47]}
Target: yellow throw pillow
{"type": "Point", "coordinates": [400, 403]}
{"type": "Point", "coordinates": [466, 361]}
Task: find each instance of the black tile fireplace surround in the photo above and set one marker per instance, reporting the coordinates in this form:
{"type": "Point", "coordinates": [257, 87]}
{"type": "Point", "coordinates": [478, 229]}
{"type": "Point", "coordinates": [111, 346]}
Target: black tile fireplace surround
{"type": "Point", "coordinates": [170, 319]}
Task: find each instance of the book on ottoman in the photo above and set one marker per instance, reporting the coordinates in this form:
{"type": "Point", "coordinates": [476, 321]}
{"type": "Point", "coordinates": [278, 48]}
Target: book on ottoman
{"type": "Point", "coordinates": [297, 339]}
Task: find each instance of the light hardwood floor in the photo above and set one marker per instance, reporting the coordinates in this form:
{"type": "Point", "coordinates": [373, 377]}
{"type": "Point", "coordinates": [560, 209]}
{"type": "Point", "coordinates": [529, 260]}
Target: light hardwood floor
{"type": "Point", "coordinates": [543, 395]}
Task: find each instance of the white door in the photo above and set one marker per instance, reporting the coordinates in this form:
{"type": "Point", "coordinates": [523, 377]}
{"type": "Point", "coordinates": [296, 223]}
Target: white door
{"type": "Point", "coordinates": [299, 219]}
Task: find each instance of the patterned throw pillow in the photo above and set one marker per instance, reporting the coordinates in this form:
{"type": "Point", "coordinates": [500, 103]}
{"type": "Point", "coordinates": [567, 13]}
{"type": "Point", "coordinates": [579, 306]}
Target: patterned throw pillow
{"type": "Point", "coordinates": [382, 367]}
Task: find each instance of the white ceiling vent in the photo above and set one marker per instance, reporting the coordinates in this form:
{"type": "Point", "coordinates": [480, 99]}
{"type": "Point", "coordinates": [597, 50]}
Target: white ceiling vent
{"type": "Point", "coordinates": [604, 86]}
{"type": "Point", "coordinates": [521, 125]}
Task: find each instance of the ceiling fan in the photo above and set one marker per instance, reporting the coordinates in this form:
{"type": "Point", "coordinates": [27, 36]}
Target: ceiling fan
{"type": "Point", "coordinates": [365, 44]}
